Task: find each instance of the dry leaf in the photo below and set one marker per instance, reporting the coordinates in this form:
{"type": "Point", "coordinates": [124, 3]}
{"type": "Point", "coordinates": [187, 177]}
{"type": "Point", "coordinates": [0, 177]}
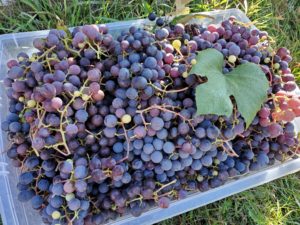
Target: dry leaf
{"type": "Point", "coordinates": [182, 13]}
{"type": "Point", "coordinates": [181, 8]}
{"type": "Point", "coordinates": [186, 18]}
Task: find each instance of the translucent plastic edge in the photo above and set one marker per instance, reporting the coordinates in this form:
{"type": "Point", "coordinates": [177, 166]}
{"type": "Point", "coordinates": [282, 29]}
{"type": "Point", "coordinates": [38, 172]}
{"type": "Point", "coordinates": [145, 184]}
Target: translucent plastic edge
{"type": "Point", "coordinates": [7, 207]}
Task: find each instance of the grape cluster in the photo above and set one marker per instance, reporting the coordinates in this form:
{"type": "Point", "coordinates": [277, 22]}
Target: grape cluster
{"type": "Point", "coordinates": [105, 126]}
{"type": "Point", "coordinates": [287, 106]}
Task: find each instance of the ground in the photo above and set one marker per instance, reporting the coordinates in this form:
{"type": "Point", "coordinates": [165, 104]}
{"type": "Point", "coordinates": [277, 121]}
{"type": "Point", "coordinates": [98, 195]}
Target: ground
{"type": "Point", "coordinates": [275, 203]}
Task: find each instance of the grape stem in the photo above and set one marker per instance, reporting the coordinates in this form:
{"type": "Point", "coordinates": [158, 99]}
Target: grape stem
{"type": "Point", "coordinates": [164, 108]}
{"type": "Point", "coordinates": [41, 117]}
{"type": "Point", "coordinates": [70, 49]}
{"type": "Point", "coordinates": [128, 144]}
{"type": "Point", "coordinates": [95, 135]}
{"type": "Point", "coordinates": [155, 194]}
{"type": "Point", "coordinates": [270, 76]}
{"type": "Point", "coordinates": [45, 53]}
{"type": "Point", "coordinates": [231, 152]}
{"type": "Point", "coordinates": [140, 198]}
{"type": "Point", "coordinates": [172, 193]}
{"type": "Point", "coordinates": [62, 115]}
{"type": "Point", "coordinates": [164, 186]}
{"type": "Point", "coordinates": [169, 91]}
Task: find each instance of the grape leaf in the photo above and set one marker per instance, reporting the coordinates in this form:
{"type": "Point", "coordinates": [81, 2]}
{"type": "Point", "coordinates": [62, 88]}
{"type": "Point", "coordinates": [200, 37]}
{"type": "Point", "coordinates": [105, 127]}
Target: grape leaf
{"type": "Point", "coordinates": [246, 83]}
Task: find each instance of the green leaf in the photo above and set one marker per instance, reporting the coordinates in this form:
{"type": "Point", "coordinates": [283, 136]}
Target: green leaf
{"type": "Point", "coordinates": [246, 83]}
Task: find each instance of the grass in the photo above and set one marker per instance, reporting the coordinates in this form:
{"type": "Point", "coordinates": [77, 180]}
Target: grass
{"type": "Point", "coordinates": [272, 204]}
{"type": "Point", "coordinates": [279, 17]}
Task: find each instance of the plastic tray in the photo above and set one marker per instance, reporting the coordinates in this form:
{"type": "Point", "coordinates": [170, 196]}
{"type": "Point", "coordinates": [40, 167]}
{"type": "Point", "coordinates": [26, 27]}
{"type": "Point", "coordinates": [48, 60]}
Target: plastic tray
{"type": "Point", "coordinates": [15, 213]}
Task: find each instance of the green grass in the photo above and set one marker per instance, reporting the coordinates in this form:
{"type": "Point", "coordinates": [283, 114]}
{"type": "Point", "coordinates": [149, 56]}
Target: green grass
{"type": "Point", "coordinates": [275, 203]}
{"type": "Point", "coordinates": [279, 17]}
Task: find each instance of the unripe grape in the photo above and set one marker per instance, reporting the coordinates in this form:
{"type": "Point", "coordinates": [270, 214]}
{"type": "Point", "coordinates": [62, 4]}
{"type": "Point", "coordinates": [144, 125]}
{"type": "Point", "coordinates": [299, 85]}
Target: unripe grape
{"type": "Point", "coordinates": [216, 161]}
{"type": "Point", "coordinates": [70, 196]}
{"type": "Point", "coordinates": [215, 173]}
{"type": "Point", "coordinates": [185, 74]}
{"type": "Point", "coordinates": [55, 215]}
{"type": "Point", "coordinates": [200, 178]}
{"type": "Point", "coordinates": [276, 66]}
{"type": "Point", "coordinates": [31, 103]}
{"type": "Point", "coordinates": [126, 118]}
{"type": "Point", "coordinates": [266, 60]}
{"type": "Point", "coordinates": [193, 61]}
{"type": "Point", "coordinates": [232, 59]}
{"type": "Point", "coordinates": [21, 99]}
{"type": "Point", "coordinates": [176, 44]}
{"type": "Point", "coordinates": [81, 45]}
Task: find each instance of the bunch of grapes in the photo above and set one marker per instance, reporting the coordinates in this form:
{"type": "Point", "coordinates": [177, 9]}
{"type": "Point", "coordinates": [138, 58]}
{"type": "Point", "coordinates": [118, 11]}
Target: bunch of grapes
{"type": "Point", "coordinates": [103, 126]}
{"type": "Point", "coordinates": [287, 106]}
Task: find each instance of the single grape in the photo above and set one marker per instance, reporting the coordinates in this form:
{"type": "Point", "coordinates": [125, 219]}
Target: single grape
{"type": "Point", "coordinates": [163, 202]}
{"type": "Point", "coordinates": [156, 157]}
{"type": "Point", "coordinates": [157, 123]}
{"type": "Point", "coordinates": [159, 21]}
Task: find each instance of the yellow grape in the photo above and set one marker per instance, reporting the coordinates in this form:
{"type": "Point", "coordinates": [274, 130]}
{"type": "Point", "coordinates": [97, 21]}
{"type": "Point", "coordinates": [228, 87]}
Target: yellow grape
{"type": "Point", "coordinates": [126, 118]}
{"type": "Point", "coordinates": [185, 74]}
{"type": "Point", "coordinates": [21, 99]}
{"type": "Point", "coordinates": [232, 59]}
{"type": "Point", "coordinates": [193, 61]}
{"type": "Point", "coordinates": [176, 44]}
{"type": "Point", "coordinates": [56, 215]}
{"type": "Point", "coordinates": [31, 103]}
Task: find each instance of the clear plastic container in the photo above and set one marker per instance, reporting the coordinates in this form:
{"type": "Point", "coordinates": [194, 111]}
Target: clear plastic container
{"type": "Point", "coordinates": [14, 212]}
